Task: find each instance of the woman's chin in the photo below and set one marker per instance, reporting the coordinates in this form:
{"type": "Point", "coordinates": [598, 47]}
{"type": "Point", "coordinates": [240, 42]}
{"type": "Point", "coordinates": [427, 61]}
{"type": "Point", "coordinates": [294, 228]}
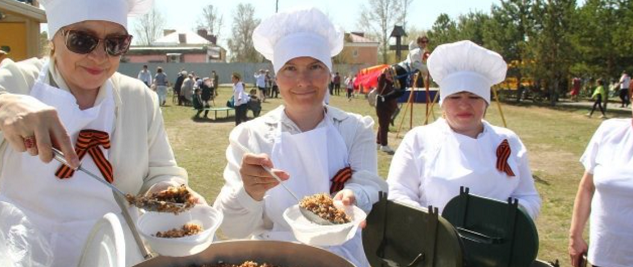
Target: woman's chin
{"type": "Point", "coordinates": [90, 84]}
{"type": "Point", "coordinates": [306, 98]}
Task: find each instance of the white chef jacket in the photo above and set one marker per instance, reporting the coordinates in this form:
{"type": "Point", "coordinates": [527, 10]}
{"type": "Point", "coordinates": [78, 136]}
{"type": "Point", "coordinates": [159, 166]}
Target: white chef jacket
{"type": "Point", "coordinates": [433, 161]}
{"type": "Point", "coordinates": [244, 217]}
{"type": "Point", "coordinates": [609, 157]}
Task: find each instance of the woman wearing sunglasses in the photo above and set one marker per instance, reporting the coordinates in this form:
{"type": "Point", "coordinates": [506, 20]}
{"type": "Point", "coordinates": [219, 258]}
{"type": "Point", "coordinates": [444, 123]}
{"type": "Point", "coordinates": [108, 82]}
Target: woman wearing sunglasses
{"type": "Point", "coordinates": [77, 102]}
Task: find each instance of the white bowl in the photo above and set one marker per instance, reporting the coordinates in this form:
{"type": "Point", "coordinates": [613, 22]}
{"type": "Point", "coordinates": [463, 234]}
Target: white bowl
{"type": "Point", "coordinates": [314, 234]}
{"type": "Point", "coordinates": [152, 222]}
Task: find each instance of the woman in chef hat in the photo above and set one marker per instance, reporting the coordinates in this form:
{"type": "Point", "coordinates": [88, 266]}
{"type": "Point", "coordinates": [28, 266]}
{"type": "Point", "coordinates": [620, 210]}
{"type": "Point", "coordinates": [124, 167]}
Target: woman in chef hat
{"type": "Point", "coordinates": [75, 98]}
{"type": "Point", "coordinates": [313, 147]}
{"type": "Point", "coordinates": [462, 149]}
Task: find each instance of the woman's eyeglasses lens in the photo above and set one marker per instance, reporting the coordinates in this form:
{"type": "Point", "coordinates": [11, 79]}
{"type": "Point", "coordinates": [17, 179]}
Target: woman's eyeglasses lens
{"type": "Point", "coordinates": [84, 43]}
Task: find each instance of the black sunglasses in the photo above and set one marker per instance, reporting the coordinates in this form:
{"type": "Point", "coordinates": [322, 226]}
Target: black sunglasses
{"type": "Point", "coordinates": [82, 42]}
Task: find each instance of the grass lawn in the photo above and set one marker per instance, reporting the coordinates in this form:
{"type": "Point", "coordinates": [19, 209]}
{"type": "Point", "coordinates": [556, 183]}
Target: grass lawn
{"type": "Point", "coordinates": [555, 139]}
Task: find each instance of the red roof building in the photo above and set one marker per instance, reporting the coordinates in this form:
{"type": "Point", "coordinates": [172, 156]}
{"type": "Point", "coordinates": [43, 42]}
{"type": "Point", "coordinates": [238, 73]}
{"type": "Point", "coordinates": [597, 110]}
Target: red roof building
{"type": "Point", "coordinates": [178, 47]}
{"type": "Point", "coordinates": [359, 50]}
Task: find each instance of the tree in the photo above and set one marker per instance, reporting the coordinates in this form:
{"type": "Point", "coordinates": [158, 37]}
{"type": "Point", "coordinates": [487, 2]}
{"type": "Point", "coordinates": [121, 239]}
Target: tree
{"type": "Point", "coordinates": [513, 21]}
{"type": "Point", "coordinates": [241, 44]}
{"type": "Point", "coordinates": [405, 4]}
{"type": "Point", "coordinates": [211, 21]}
{"type": "Point", "coordinates": [472, 27]}
{"type": "Point", "coordinates": [508, 32]}
{"type": "Point", "coordinates": [605, 39]}
{"type": "Point", "coordinates": [149, 27]}
{"type": "Point", "coordinates": [378, 18]}
{"type": "Point", "coordinates": [444, 30]}
{"type": "Point", "coordinates": [550, 46]}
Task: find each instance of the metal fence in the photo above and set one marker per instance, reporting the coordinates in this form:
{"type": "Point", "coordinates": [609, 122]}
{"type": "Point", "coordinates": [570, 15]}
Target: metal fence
{"type": "Point", "coordinates": [224, 70]}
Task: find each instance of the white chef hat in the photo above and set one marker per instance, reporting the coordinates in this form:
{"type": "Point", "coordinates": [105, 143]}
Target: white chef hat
{"type": "Point", "coordinates": [466, 66]}
{"type": "Point", "coordinates": [60, 13]}
{"type": "Point", "coordinates": [297, 33]}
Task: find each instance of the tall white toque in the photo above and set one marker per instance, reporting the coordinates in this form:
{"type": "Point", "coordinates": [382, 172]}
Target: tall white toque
{"type": "Point", "coordinates": [466, 66]}
{"type": "Point", "coordinates": [301, 32]}
{"type": "Point", "coordinates": [60, 13]}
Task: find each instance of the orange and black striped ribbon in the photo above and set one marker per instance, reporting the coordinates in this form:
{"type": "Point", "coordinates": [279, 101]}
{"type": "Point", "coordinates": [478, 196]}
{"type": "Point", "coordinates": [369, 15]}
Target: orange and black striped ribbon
{"type": "Point", "coordinates": [503, 153]}
{"type": "Point", "coordinates": [339, 179]}
{"type": "Point", "coordinates": [89, 142]}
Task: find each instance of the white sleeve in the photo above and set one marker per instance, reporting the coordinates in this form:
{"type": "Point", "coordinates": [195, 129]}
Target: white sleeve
{"type": "Point", "coordinates": [243, 215]}
{"type": "Point", "coordinates": [588, 158]}
{"type": "Point", "coordinates": [525, 192]}
{"type": "Point", "coordinates": [405, 175]}
{"type": "Point", "coordinates": [365, 182]}
{"type": "Point", "coordinates": [162, 162]}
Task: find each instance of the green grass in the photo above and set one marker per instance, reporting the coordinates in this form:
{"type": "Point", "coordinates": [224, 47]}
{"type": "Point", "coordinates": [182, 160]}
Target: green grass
{"type": "Point", "coordinates": [555, 139]}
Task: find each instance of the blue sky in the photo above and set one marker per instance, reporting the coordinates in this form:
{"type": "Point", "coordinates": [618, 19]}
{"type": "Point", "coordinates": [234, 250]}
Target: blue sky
{"type": "Point", "coordinates": [184, 14]}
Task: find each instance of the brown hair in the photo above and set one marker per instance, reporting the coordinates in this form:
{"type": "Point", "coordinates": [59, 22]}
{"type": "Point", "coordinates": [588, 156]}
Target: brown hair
{"type": "Point", "coordinates": [237, 75]}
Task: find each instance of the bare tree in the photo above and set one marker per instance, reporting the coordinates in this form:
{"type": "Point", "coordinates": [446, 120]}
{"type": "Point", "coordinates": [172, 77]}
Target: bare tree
{"type": "Point", "coordinates": [241, 44]}
{"type": "Point", "coordinates": [211, 20]}
{"type": "Point", "coordinates": [378, 18]}
{"type": "Point", "coordinates": [149, 27]}
{"type": "Point", "coordinates": [405, 12]}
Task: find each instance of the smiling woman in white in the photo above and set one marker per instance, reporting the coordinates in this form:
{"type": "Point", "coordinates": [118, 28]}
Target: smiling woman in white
{"type": "Point", "coordinates": [305, 142]}
{"type": "Point", "coordinates": [462, 149]}
{"type": "Point", "coordinates": [75, 98]}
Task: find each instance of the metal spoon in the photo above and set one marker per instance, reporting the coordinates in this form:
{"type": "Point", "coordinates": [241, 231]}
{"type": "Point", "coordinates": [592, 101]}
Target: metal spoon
{"type": "Point", "coordinates": [311, 216]}
{"type": "Point", "coordinates": [149, 205]}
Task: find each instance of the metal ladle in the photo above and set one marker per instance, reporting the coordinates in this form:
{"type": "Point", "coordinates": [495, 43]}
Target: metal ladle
{"type": "Point", "coordinates": [311, 216]}
{"type": "Point", "coordinates": [150, 205]}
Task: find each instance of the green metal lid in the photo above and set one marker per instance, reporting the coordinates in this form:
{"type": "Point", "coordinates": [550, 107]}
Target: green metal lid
{"type": "Point", "coordinates": [400, 235]}
{"type": "Point", "coordinates": [494, 233]}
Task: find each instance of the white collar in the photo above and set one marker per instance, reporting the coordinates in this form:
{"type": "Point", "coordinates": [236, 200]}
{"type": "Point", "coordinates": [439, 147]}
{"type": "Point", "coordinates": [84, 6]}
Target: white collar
{"type": "Point", "coordinates": [278, 115]}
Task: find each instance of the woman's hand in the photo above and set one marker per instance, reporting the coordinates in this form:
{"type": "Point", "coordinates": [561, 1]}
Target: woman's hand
{"type": "Point", "coordinates": [255, 178]}
{"type": "Point", "coordinates": [30, 125]}
{"type": "Point", "coordinates": [346, 196]}
{"type": "Point", "coordinates": [164, 185]}
{"type": "Point", "coordinates": [577, 247]}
